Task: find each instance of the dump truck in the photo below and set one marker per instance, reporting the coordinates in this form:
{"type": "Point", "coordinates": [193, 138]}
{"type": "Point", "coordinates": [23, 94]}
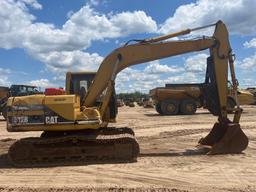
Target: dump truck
{"type": "Point", "coordinates": [176, 99]}
{"type": "Point", "coordinates": [75, 127]}
{"type": "Point", "coordinates": [184, 99]}
{"type": "Point", "coordinates": [14, 91]}
{"type": "Point", "coordinates": [252, 90]}
{"type": "Point", "coordinates": [245, 97]}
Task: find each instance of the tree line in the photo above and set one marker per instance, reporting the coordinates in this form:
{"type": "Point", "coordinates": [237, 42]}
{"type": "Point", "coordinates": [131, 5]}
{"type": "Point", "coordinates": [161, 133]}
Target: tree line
{"type": "Point", "coordinates": [135, 96]}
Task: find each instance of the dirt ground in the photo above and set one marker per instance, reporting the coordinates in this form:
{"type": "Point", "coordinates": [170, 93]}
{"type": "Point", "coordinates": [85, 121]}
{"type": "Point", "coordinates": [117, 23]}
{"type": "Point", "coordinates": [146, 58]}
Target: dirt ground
{"type": "Point", "coordinates": [166, 162]}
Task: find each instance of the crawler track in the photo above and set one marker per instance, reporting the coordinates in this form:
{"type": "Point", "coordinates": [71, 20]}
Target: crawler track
{"type": "Point", "coordinates": [90, 146]}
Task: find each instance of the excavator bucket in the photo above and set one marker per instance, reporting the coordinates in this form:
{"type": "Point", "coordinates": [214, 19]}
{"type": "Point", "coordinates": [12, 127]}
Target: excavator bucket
{"type": "Point", "coordinates": [225, 138]}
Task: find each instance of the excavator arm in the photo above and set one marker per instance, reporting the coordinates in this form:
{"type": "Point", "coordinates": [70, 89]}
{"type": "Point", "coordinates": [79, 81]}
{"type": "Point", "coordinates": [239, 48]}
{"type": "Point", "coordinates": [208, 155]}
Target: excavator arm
{"type": "Point", "coordinates": [224, 131]}
{"type": "Point", "coordinates": [153, 49]}
{"type": "Point", "coordinates": [127, 56]}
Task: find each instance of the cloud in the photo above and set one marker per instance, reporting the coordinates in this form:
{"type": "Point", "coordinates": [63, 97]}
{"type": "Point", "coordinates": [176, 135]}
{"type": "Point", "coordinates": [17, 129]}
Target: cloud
{"type": "Point", "coordinates": [88, 25]}
{"type": "Point", "coordinates": [4, 78]}
{"type": "Point", "coordinates": [14, 19]}
{"type": "Point", "coordinates": [64, 48]}
{"type": "Point", "coordinates": [155, 68]}
{"type": "Point", "coordinates": [70, 61]}
{"type": "Point", "coordinates": [70, 13]}
{"type": "Point", "coordinates": [4, 81]}
{"type": "Point", "coordinates": [44, 83]}
{"type": "Point", "coordinates": [240, 16]}
{"type": "Point", "coordinates": [248, 63]}
{"type": "Point", "coordinates": [7, 74]}
{"type": "Point", "coordinates": [32, 3]}
{"type": "Point", "coordinates": [196, 63]}
{"type": "Point", "coordinates": [187, 77]}
{"type": "Point", "coordinates": [4, 71]}
{"type": "Point", "coordinates": [154, 74]}
{"type": "Point", "coordinates": [130, 80]}
{"type": "Point", "coordinates": [133, 22]}
{"type": "Point", "coordinates": [248, 82]}
{"type": "Point", "coordinates": [251, 43]}
{"type": "Point", "coordinates": [93, 2]}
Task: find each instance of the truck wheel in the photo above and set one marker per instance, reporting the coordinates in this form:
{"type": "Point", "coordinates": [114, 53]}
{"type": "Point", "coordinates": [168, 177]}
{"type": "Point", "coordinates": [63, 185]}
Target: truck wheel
{"type": "Point", "coordinates": [188, 107]}
{"type": "Point", "coordinates": [170, 107]}
{"type": "Point", "coordinates": [158, 108]}
{"type": "Point", "coordinates": [230, 105]}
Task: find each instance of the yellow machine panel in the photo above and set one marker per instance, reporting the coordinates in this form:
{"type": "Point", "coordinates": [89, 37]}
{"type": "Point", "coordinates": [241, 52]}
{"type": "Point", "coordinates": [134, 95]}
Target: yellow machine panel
{"type": "Point", "coordinates": [64, 105]}
{"type": "Point", "coordinates": [55, 113]}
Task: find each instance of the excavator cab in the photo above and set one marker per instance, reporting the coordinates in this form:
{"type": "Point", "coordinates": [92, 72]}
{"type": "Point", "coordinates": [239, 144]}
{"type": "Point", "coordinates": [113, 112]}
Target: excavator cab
{"type": "Point", "coordinates": [78, 83]}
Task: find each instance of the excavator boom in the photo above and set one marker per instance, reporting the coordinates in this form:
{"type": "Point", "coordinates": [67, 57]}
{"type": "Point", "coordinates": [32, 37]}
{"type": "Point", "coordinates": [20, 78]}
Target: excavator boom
{"type": "Point", "coordinates": [139, 53]}
{"type": "Point", "coordinates": [225, 131]}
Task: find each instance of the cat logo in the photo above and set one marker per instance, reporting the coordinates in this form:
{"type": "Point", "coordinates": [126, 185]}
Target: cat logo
{"type": "Point", "coordinates": [51, 119]}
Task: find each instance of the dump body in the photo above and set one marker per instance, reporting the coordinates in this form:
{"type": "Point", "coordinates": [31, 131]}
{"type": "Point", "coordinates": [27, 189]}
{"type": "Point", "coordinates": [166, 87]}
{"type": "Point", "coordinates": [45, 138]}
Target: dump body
{"type": "Point", "coordinates": [246, 97]}
{"type": "Point", "coordinates": [177, 93]}
{"type": "Point", "coordinates": [177, 98]}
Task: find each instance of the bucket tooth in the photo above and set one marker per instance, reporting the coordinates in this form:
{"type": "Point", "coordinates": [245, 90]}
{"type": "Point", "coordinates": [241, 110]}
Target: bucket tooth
{"type": "Point", "coordinates": [225, 138]}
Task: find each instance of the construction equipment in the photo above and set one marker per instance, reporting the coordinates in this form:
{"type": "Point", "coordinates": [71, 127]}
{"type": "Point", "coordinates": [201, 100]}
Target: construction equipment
{"type": "Point", "coordinates": [148, 102]}
{"type": "Point", "coordinates": [13, 91]}
{"type": "Point", "coordinates": [129, 102]}
{"type": "Point", "coordinates": [176, 99]}
{"type": "Point", "coordinates": [252, 90]}
{"type": "Point", "coordinates": [139, 102]}
{"type": "Point", "coordinates": [75, 125]}
{"type": "Point", "coordinates": [120, 103]}
{"type": "Point", "coordinates": [245, 97]}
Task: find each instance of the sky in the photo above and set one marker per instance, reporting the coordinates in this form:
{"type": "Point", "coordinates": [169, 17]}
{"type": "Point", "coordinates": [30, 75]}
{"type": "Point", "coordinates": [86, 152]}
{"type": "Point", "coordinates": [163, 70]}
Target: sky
{"type": "Point", "coordinates": [40, 40]}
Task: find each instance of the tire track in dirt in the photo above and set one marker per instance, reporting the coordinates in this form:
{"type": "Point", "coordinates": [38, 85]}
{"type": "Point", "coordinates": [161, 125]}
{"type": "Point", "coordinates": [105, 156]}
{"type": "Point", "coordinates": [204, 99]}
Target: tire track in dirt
{"type": "Point", "coordinates": [177, 133]}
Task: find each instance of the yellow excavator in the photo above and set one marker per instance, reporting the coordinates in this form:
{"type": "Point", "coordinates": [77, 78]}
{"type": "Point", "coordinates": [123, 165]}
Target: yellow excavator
{"type": "Point", "coordinates": [75, 125]}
